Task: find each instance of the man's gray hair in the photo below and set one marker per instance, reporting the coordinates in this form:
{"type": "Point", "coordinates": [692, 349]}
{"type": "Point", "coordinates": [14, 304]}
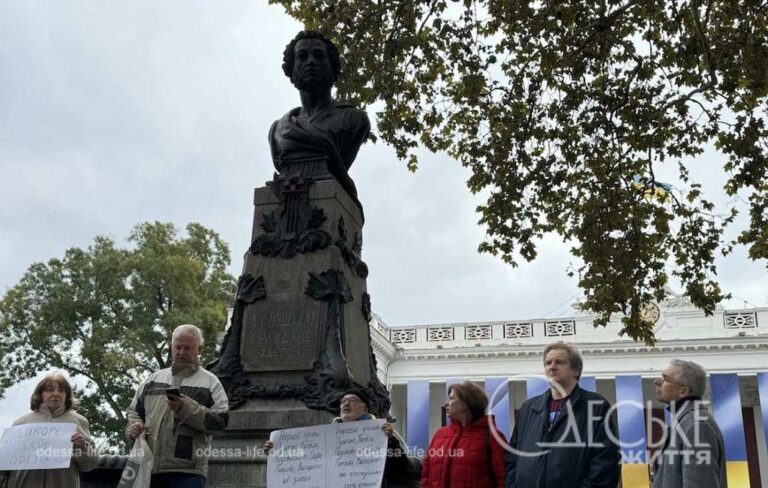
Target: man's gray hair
{"type": "Point", "coordinates": [691, 375]}
{"type": "Point", "coordinates": [188, 329]}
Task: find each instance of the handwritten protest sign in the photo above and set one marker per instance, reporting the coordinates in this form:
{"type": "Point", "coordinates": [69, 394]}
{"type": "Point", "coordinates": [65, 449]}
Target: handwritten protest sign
{"type": "Point", "coordinates": [298, 458]}
{"type": "Point", "coordinates": [36, 446]}
{"type": "Point", "coordinates": [344, 455]}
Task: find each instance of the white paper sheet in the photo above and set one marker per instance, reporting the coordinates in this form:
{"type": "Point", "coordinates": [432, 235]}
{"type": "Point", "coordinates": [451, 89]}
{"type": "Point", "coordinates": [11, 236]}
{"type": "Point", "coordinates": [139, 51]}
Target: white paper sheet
{"type": "Point", "coordinates": [343, 455]}
{"type": "Point", "coordinates": [36, 446]}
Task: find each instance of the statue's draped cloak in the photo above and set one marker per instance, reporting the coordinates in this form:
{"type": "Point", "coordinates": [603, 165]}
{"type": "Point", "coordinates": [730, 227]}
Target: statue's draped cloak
{"type": "Point", "coordinates": [336, 131]}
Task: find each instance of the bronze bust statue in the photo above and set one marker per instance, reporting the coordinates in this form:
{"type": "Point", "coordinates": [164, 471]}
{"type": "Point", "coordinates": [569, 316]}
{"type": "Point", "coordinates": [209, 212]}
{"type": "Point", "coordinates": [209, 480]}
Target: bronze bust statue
{"type": "Point", "coordinates": [321, 138]}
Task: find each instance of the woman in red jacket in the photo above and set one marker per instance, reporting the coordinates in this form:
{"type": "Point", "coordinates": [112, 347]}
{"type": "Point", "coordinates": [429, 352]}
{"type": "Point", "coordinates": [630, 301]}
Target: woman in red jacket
{"type": "Point", "coordinates": [465, 454]}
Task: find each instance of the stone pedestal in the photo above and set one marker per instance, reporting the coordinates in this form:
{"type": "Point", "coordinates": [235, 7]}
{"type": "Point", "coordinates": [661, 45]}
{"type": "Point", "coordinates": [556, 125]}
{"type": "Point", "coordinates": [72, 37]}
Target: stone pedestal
{"type": "Point", "coordinates": [299, 335]}
{"type": "Point", "coordinates": [284, 334]}
{"type": "Point", "coordinates": [237, 460]}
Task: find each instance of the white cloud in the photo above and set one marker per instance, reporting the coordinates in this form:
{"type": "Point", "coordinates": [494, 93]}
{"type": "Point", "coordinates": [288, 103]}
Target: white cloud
{"type": "Point", "coordinates": [117, 113]}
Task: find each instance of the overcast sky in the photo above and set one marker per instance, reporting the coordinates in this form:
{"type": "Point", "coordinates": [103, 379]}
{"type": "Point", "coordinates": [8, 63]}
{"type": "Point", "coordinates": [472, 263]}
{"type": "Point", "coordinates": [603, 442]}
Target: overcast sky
{"type": "Point", "coordinates": [114, 113]}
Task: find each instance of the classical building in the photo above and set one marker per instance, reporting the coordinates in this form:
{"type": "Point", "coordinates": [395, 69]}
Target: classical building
{"type": "Point", "coordinates": [418, 362]}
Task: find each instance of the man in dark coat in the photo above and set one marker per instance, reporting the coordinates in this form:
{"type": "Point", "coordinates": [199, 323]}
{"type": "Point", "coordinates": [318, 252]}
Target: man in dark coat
{"type": "Point", "coordinates": [564, 438]}
{"type": "Point", "coordinates": [693, 453]}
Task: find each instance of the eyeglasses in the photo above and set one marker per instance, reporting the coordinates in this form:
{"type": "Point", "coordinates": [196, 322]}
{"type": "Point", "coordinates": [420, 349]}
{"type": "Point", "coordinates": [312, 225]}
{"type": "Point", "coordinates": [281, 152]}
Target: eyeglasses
{"type": "Point", "coordinates": [350, 401]}
{"type": "Point", "coordinates": [665, 379]}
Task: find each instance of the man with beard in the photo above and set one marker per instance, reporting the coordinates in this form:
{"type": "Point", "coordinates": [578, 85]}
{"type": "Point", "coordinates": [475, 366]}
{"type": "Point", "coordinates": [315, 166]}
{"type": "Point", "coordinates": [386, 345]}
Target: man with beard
{"type": "Point", "coordinates": [178, 409]}
{"type": "Point", "coordinates": [322, 129]}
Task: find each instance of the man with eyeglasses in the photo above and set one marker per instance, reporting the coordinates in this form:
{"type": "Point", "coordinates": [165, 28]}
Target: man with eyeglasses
{"type": "Point", "coordinates": [354, 405]}
{"type": "Point", "coordinates": [693, 452]}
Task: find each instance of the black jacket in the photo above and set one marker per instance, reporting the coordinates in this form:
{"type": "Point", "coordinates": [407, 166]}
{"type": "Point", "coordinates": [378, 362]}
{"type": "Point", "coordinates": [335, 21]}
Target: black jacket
{"type": "Point", "coordinates": [397, 468]}
{"type": "Point", "coordinates": [584, 464]}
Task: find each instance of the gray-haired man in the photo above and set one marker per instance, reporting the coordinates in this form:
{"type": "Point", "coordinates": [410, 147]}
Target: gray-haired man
{"type": "Point", "coordinates": [693, 453]}
{"type": "Point", "coordinates": [179, 408]}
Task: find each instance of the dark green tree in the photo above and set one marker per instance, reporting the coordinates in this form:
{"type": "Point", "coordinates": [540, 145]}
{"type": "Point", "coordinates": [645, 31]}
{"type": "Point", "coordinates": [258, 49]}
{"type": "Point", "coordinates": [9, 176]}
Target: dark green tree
{"type": "Point", "coordinates": [564, 112]}
{"type": "Point", "coordinates": [105, 314]}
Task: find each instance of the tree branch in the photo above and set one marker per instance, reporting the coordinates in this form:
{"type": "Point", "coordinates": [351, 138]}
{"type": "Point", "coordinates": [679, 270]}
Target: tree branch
{"type": "Point", "coordinates": [613, 15]}
{"type": "Point", "coordinates": [602, 24]}
{"type": "Point", "coordinates": [685, 98]}
{"type": "Point", "coordinates": [57, 362]}
{"type": "Point", "coordinates": [704, 42]}
{"type": "Point", "coordinates": [432, 6]}
{"type": "Point", "coordinates": [159, 356]}
{"type": "Point", "coordinates": [160, 299]}
{"type": "Point", "coordinates": [105, 391]}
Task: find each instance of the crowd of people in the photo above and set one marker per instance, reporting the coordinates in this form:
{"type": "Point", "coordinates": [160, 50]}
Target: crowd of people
{"type": "Point", "coordinates": [565, 437]}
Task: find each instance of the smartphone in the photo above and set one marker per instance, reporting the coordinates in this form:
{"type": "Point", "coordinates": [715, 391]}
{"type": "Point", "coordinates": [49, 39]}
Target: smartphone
{"type": "Point", "coordinates": [172, 392]}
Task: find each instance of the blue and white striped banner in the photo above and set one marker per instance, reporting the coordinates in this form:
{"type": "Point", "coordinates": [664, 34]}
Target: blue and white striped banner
{"type": "Point", "coordinates": [535, 386]}
{"type": "Point", "coordinates": [499, 406]}
{"type": "Point", "coordinates": [631, 415]}
{"type": "Point", "coordinates": [589, 383]}
{"type": "Point", "coordinates": [726, 402]}
{"type": "Point", "coordinates": [762, 386]}
{"type": "Point", "coordinates": [417, 408]}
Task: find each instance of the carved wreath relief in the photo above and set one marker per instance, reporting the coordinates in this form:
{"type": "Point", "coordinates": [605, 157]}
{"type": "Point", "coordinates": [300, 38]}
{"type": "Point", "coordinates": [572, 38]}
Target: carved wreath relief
{"type": "Point", "coordinates": [299, 226]}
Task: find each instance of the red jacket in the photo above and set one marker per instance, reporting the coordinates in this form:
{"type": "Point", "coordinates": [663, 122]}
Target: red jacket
{"type": "Point", "coordinates": [458, 457]}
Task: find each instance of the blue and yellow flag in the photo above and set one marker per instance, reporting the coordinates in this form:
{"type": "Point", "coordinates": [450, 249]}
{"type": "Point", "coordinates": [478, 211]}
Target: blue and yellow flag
{"type": "Point", "coordinates": [651, 189]}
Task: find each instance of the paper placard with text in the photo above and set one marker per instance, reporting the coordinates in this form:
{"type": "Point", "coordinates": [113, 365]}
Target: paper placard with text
{"type": "Point", "coordinates": [343, 455]}
{"type": "Point", "coordinates": [36, 446]}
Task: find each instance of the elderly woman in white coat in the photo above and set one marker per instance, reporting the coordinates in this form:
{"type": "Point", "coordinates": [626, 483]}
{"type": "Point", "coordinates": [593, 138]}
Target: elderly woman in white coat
{"type": "Point", "coordinates": [53, 402]}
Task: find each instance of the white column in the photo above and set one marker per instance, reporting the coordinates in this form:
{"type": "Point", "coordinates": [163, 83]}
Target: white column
{"type": "Point", "coordinates": [397, 394]}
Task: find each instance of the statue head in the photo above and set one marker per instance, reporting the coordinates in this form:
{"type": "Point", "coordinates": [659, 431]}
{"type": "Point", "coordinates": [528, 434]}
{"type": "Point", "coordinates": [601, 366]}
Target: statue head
{"type": "Point", "coordinates": [311, 48]}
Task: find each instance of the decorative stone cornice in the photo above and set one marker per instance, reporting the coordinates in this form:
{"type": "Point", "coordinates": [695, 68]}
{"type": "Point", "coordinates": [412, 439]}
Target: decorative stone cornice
{"type": "Point", "coordinates": [381, 345]}
{"type": "Point", "coordinates": [742, 344]}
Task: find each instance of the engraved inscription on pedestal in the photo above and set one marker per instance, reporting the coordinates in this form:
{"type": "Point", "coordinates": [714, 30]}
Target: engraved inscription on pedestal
{"type": "Point", "coordinates": [282, 336]}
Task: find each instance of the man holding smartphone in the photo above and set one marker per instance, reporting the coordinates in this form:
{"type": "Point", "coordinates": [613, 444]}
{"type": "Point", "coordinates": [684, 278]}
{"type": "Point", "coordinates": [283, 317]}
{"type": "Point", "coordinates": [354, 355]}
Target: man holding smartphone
{"type": "Point", "coordinates": [178, 409]}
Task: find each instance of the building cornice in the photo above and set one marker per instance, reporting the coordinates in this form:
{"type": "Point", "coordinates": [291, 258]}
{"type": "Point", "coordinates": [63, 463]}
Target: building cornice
{"type": "Point", "coordinates": [381, 345]}
{"type": "Point", "coordinates": [745, 344]}
{"type": "Point", "coordinates": [668, 311]}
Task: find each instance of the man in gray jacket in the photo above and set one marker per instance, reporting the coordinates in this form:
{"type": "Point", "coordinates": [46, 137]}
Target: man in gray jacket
{"type": "Point", "coordinates": [693, 453]}
{"type": "Point", "coordinates": [179, 409]}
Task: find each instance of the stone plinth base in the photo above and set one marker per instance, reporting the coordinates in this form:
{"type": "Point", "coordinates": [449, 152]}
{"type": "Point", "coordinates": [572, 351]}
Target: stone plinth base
{"type": "Point", "coordinates": [237, 459]}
